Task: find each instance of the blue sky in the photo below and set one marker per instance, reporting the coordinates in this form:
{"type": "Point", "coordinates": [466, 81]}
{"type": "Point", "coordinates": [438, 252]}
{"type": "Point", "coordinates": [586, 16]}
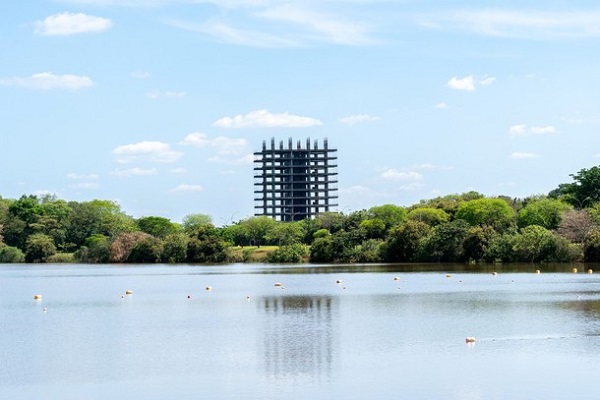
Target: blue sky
{"type": "Point", "coordinates": [159, 104]}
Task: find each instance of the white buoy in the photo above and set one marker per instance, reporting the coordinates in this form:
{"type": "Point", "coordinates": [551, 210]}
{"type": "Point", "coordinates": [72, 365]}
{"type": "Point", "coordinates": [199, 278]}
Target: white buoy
{"type": "Point", "coordinates": [338, 281]}
{"type": "Point", "coordinates": [278, 284]}
{"type": "Point", "coordinates": [37, 297]}
{"type": "Point", "coordinates": [470, 339]}
{"type": "Point", "coordinates": [129, 292]}
{"type": "Point", "coordinates": [208, 288]}
{"type": "Point", "coordinates": [396, 278]}
{"type": "Point", "coordinates": [494, 273]}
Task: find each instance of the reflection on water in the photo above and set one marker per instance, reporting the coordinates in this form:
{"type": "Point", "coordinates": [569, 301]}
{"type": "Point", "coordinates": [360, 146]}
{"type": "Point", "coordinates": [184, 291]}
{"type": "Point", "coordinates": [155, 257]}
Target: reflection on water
{"type": "Point", "coordinates": [298, 338]}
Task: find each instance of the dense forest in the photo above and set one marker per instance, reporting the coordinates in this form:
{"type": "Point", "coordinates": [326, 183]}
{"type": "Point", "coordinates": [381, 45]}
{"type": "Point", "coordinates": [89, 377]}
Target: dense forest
{"type": "Point", "coordinates": [561, 226]}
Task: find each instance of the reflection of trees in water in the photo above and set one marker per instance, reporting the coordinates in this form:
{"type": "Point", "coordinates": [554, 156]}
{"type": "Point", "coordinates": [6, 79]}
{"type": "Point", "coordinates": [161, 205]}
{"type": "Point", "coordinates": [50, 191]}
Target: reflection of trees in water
{"type": "Point", "coordinates": [298, 335]}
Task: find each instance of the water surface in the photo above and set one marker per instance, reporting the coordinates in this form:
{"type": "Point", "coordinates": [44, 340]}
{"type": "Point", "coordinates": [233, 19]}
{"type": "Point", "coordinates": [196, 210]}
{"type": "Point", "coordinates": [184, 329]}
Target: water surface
{"type": "Point", "coordinates": [368, 336]}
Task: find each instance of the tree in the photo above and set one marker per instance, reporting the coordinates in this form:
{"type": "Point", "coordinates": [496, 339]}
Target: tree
{"type": "Point", "coordinates": [10, 254]}
{"type": "Point", "coordinates": [96, 250]}
{"type": "Point", "coordinates": [451, 202]}
{"type": "Point", "coordinates": [285, 233]}
{"type": "Point", "coordinates": [158, 227]}
{"type": "Point", "coordinates": [544, 212]}
{"type": "Point", "coordinates": [390, 214]}
{"type": "Point", "coordinates": [535, 243]}
{"type": "Point", "coordinates": [175, 248]}
{"type": "Point", "coordinates": [192, 221]}
{"type": "Point", "coordinates": [121, 247]}
{"type": "Point", "coordinates": [591, 246]}
{"type": "Point", "coordinates": [257, 228]}
{"type": "Point", "coordinates": [575, 225]}
{"type": "Point", "coordinates": [429, 215]}
{"type": "Point", "coordinates": [496, 213]}
{"type": "Point", "coordinates": [477, 241]}
{"type": "Point", "coordinates": [404, 242]}
{"type": "Point", "coordinates": [321, 250]}
{"type": "Point", "coordinates": [146, 250]}
{"type": "Point", "coordinates": [584, 191]}
{"type": "Point", "coordinates": [445, 244]}
{"type": "Point", "coordinates": [39, 248]}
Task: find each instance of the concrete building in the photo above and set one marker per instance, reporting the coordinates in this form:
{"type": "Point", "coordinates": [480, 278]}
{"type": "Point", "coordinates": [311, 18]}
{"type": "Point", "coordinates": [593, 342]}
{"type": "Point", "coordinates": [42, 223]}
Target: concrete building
{"type": "Point", "coordinates": [292, 184]}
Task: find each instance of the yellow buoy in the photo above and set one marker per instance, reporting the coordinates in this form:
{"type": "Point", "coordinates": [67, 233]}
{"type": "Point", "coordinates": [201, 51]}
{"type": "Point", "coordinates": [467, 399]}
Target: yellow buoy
{"type": "Point", "coordinates": [37, 297]}
{"type": "Point", "coordinates": [574, 270]}
{"type": "Point", "coordinates": [590, 271]}
{"type": "Point", "coordinates": [129, 292]}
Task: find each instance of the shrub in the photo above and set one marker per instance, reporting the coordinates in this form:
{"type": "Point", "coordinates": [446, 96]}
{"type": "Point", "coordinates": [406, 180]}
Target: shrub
{"type": "Point", "coordinates": [10, 254]}
{"type": "Point", "coordinates": [294, 253]}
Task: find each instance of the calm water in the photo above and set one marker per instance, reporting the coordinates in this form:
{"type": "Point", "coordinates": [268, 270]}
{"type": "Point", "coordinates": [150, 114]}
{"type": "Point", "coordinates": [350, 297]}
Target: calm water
{"type": "Point", "coordinates": [369, 336]}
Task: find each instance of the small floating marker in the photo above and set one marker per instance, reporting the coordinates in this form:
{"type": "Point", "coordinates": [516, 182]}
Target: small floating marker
{"type": "Point", "coordinates": [45, 309]}
{"type": "Point", "coordinates": [537, 271]}
{"type": "Point", "coordinates": [590, 271]}
{"type": "Point", "coordinates": [396, 278]}
{"type": "Point", "coordinates": [129, 292]}
{"type": "Point", "coordinates": [208, 288]}
{"type": "Point", "coordinates": [469, 339]}
{"type": "Point", "coordinates": [448, 276]}
{"type": "Point", "coordinates": [278, 284]}
{"type": "Point", "coordinates": [248, 298]}
{"type": "Point", "coordinates": [37, 296]}
{"type": "Point", "coordinates": [494, 273]}
{"type": "Point", "coordinates": [189, 297]}
{"type": "Point", "coordinates": [338, 281]}
{"type": "Point", "coordinates": [574, 270]}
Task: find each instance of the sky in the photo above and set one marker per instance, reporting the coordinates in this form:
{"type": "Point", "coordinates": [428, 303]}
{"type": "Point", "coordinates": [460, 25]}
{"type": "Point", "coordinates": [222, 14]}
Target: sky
{"type": "Point", "coordinates": [159, 104]}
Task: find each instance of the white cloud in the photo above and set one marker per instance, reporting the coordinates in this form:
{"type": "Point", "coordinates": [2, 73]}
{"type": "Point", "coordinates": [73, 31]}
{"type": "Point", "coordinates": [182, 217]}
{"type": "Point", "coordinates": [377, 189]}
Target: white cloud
{"type": "Point", "coordinates": [73, 175]}
{"type": "Point", "coordinates": [266, 119]}
{"type": "Point", "coordinates": [125, 173]}
{"type": "Point", "coordinates": [518, 155]}
{"type": "Point", "coordinates": [85, 185]}
{"type": "Point", "coordinates": [466, 83]}
{"type": "Point", "coordinates": [146, 151]}
{"type": "Point", "coordinates": [231, 151]}
{"type": "Point", "coordinates": [441, 105]}
{"type": "Point", "coordinates": [357, 119]}
{"type": "Point", "coordinates": [196, 139]}
{"type": "Point", "coordinates": [185, 188]}
{"type": "Point", "coordinates": [48, 80]}
{"type": "Point", "coordinates": [469, 83]}
{"type": "Point", "coordinates": [520, 24]}
{"type": "Point", "coordinates": [68, 23]}
{"type": "Point", "coordinates": [395, 175]}
{"type": "Point", "coordinates": [523, 129]}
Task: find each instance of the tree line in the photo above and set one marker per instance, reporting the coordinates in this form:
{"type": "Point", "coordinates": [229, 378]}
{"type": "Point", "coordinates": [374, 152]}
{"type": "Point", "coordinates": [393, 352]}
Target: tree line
{"type": "Point", "coordinates": [561, 226]}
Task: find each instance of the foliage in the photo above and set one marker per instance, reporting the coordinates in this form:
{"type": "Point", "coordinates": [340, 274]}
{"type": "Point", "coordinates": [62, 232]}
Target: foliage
{"type": "Point", "coordinates": [445, 244]}
{"type": "Point", "coordinates": [175, 248]}
{"type": "Point", "coordinates": [255, 229]}
{"type": "Point", "coordinates": [584, 191]}
{"type": "Point", "coordinates": [477, 242]}
{"type": "Point", "coordinates": [145, 250]}
{"type": "Point", "coordinates": [62, 258]}
{"type": "Point", "coordinates": [285, 233]}
{"type": "Point", "coordinates": [157, 226]}
{"type": "Point", "coordinates": [293, 253]}
{"type": "Point", "coordinates": [405, 242]}
{"type": "Point", "coordinates": [429, 215]}
{"type": "Point", "coordinates": [39, 247]}
{"type": "Point", "coordinates": [487, 211]}
{"type": "Point", "coordinates": [123, 244]}
{"type": "Point", "coordinates": [10, 254]}
{"type": "Point", "coordinates": [536, 243]}
{"type": "Point", "coordinates": [321, 251]}
{"type": "Point", "coordinates": [368, 251]}
{"type": "Point", "coordinates": [96, 250]}
{"type": "Point", "coordinates": [389, 214]}
{"type": "Point", "coordinates": [193, 221]}
{"type": "Point", "coordinates": [591, 246]}
{"type": "Point", "coordinates": [575, 225]}
{"type": "Point", "coordinates": [544, 212]}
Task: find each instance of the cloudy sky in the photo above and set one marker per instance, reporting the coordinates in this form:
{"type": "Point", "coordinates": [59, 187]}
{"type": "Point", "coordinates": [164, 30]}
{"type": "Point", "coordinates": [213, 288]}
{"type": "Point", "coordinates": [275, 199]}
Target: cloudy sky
{"type": "Point", "coordinates": [159, 104]}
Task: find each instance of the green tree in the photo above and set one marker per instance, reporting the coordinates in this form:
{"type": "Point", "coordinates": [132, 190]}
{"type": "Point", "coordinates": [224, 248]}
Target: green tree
{"type": "Point", "coordinates": [285, 233]}
{"type": "Point", "coordinates": [206, 246]}
{"type": "Point", "coordinates": [293, 253]}
{"type": "Point", "coordinates": [405, 242]}
{"type": "Point", "coordinates": [534, 244]}
{"type": "Point", "coordinates": [193, 221]}
{"type": "Point", "coordinates": [591, 246]}
{"type": "Point", "coordinates": [95, 251]}
{"type": "Point", "coordinates": [584, 191]}
{"type": "Point", "coordinates": [451, 202]}
{"type": "Point", "coordinates": [445, 244]}
{"type": "Point", "coordinates": [321, 251]}
{"type": "Point", "coordinates": [146, 250]}
{"type": "Point", "coordinates": [39, 247]}
{"type": "Point", "coordinates": [544, 212]}
{"type": "Point", "coordinates": [158, 227]}
{"type": "Point", "coordinates": [175, 248]}
{"type": "Point", "coordinates": [496, 213]}
{"type": "Point", "coordinates": [477, 241]}
{"type": "Point", "coordinates": [390, 214]}
{"type": "Point", "coordinates": [10, 254]}
{"type": "Point", "coordinates": [431, 216]}
{"type": "Point", "coordinates": [257, 228]}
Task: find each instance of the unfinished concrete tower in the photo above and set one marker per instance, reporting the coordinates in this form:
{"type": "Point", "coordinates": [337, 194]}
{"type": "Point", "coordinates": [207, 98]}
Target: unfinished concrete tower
{"type": "Point", "coordinates": [292, 184]}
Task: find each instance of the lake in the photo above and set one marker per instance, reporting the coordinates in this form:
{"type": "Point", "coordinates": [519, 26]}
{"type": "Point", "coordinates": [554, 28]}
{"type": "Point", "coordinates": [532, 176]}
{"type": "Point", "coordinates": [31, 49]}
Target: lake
{"type": "Point", "coordinates": [326, 332]}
